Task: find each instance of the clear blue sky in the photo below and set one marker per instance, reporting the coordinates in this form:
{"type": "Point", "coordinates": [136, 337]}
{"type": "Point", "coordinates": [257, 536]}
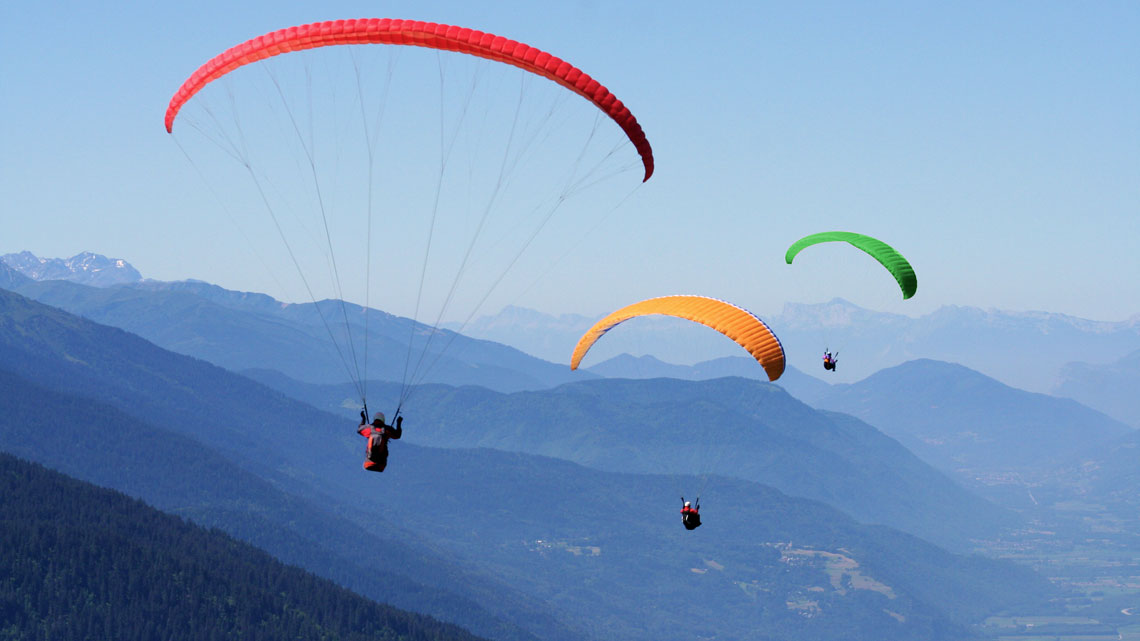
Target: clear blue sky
{"type": "Point", "coordinates": [996, 144]}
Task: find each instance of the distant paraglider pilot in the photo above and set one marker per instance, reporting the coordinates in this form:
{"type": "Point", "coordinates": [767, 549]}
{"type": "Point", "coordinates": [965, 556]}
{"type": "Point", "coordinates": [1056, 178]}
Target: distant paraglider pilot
{"type": "Point", "coordinates": [378, 433]}
{"type": "Point", "coordinates": [691, 516]}
{"type": "Point", "coordinates": [829, 361]}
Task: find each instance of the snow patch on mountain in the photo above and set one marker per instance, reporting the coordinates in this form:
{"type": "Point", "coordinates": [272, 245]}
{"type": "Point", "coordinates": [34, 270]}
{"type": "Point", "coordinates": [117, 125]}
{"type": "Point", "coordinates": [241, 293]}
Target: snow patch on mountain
{"type": "Point", "coordinates": [87, 268]}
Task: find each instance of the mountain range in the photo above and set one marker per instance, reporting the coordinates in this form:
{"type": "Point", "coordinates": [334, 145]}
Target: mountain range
{"type": "Point", "coordinates": [1026, 350]}
{"type": "Point", "coordinates": [544, 547]}
{"type": "Point", "coordinates": [109, 408]}
{"type": "Point", "coordinates": [1113, 388]}
{"type": "Point", "coordinates": [258, 335]}
{"type": "Point", "coordinates": [240, 330]}
{"type": "Point", "coordinates": [958, 419]}
{"type": "Point", "coordinates": [1039, 455]}
{"type": "Point", "coordinates": [87, 268]}
{"type": "Point", "coordinates": [803, 386]}
{"type": "Point", "coordinates": [438, 569]}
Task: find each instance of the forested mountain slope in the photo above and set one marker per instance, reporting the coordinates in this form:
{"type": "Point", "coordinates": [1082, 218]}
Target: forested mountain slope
{"type": "Point", "coordinates": [81, 562]}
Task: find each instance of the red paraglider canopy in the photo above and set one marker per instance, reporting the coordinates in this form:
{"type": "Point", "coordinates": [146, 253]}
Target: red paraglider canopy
{"type": "Point", "coordinates": [419, 34]}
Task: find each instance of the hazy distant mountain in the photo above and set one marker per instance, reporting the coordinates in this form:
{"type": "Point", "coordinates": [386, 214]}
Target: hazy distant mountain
{"type": "Point", "coordinates": [86, 267]}
{"type": "Point", "coordinates": [542, 335]}
{"type": "Point", "coordinates": [627, 366]}
{"type": "Point", "coordinates": [240, 330]}
{"type": "Point", "coordinates": [731, 426]}
{"type": "Point", "coordinates": [959, 419]}
{"type": "Point", "coordinates": [90, 563]}
{"type": "Point", "coordinates": [1113, 388]}
{"type": "Point", "coordinates": [1023, 349]}
{"type": "Point", "coordinates": [595, 548]}
{"type": "Point", "coordinates": [800, 385]}
{"type": "Point", "coordinates": [10, 278]}
{"type": "Point", "coordinates": [804, 387]}
{"type": "Point", "coordinates": [553, 337]}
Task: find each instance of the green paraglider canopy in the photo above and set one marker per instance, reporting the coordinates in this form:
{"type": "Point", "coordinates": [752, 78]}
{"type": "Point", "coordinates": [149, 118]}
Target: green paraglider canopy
{"type": "Point", "coordinates": [880, 251]}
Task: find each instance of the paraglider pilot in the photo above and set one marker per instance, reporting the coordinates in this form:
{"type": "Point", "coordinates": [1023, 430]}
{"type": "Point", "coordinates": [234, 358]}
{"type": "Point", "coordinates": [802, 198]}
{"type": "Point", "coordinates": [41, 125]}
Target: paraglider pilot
{"type": "Point", "coordinates": [829, 361]}
{"type": "Point", "coordinates": [691, 516]}
{"type": "Point", "coordinates": [378, 433]}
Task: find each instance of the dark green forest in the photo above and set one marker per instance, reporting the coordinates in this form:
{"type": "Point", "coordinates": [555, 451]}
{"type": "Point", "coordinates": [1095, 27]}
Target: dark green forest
{"type": "Point", "coordinates": [81, 562]}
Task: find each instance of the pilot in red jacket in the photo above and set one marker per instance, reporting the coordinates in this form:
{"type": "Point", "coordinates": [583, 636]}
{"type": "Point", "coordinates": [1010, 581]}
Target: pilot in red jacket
{"type": "Point", "coordinates": [378, 433]}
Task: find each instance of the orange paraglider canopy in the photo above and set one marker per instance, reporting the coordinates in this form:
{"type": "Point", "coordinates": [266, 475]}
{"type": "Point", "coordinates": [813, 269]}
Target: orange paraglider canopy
{"type": "Point", "coordinates": [737, 323]}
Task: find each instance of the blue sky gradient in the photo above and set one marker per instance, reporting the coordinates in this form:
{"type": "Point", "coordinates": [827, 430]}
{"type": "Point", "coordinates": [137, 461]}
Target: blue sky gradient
{"type": "Point", "coordinates": [996, 144]}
